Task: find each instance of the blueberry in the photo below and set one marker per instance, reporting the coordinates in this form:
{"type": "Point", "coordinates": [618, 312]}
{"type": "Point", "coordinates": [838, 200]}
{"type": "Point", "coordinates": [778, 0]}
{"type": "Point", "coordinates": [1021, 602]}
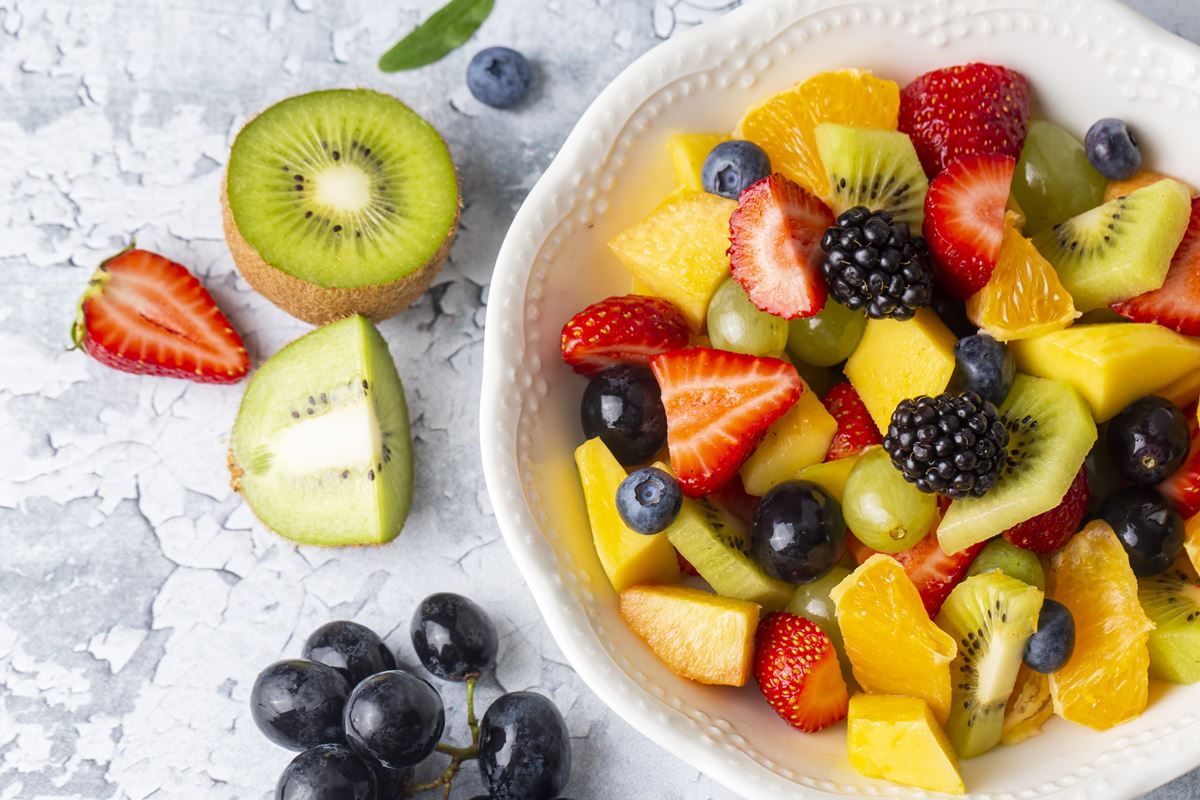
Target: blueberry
{"type": "Point", "coordinates": [327, 772]}
{"type": "Point", "coordinates": [649, 500]}
{"type": "Point", "coordinates": [1148, 440]}
{"type": "Point", "coordinates": [524, 748]}
{"type": "Point", "coordinates": [798, 533]}
{"type": "Point", "coordinates": [952, 312]}
{"type": "Point", "coordinates": [1150, 529]}
{"type": "Point", "coordinates": [1113, 149]}
{"type": "Point", "coordinates": [354, 650]}
{"type": "Point", "coordinates": [499, 77]}
{"type": "Point", "coordinates": [1051, 646]}
{"type": "Point", "coordinates": [731, 167]}
{"type": "Point", "coordinates": [298, 703]}
{"type": "Point", "coordinates": [454, 637]}
{"type": "Point", "coordinates": [984, 366]}
{"type": "Point", "coordinates": [394, 718]}
{"type": "Point", "coordinates": [623, 406]}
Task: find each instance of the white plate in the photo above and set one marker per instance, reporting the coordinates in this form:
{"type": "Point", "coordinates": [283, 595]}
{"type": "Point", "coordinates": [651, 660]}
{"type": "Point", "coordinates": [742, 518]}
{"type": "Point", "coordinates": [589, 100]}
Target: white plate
{"type": "Point", "coordinates": [1085, 59]}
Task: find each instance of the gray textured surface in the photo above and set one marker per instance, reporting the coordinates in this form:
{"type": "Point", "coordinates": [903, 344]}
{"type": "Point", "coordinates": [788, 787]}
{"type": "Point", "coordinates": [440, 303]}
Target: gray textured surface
{"type": "Point", "coordinates": [137, 596]}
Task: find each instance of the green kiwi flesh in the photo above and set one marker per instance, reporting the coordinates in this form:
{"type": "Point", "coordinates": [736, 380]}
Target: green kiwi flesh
{"type": "Point", "coordinates": [1120, 249]}
{"type": "Point", "coordinates": [1051, 431]}
{"type": "Point", "coordinates": [1172, 602]}
{"type": "Point", "coordinates": [873, 168]}
{"type": "Point", "coordinates": [342, 188]}
{"type": "Point", "coordinates": [321, 448]}
{"type": "Point", "coordinates": [991, 617]}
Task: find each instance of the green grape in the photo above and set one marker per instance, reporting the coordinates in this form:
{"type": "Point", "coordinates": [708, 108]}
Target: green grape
{"type": "Point", "coordinates": [999, 555]}
{"type": "Point", "coordinates": [812, 601]}
{"type": "Point", "coordinates": [885, 512]}
{"type": "Point", "coordinates": [1054, 180]}
{"type": "Point", "coordinates": [828, 337]}
{"type": "Point", "coordinates": [735, 324]}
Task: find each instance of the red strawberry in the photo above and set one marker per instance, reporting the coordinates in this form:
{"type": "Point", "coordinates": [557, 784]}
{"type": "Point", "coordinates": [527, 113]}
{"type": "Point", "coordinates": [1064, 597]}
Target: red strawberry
{"type": "Point", "coordinates": [1183, 488]}
{"type": "Point", "coordinates": [622, 330]}
{"type": "Point", "coordinates": [1177, 304]}
{"type": "Point", "coordinates": [798, 672]}
{"type": "Point", "coordinates": [1050, 530]}
{"type": "Point", "coordinates": [719, 405]}
{"type": "Point", "coordinates": [142, 313]}
{"type": "Point", "coordinates": [685, 566]}
{"type": "Point", "coordinates": [964, 221]}
{"type": "Point", "coordinates": [963, 110]}
{"type": "Point", "coordinates": [856, 430]}
{"type": "Point", "coordinates": [775, 251]}
{"type": "Point", "coordinates": [931, 570]}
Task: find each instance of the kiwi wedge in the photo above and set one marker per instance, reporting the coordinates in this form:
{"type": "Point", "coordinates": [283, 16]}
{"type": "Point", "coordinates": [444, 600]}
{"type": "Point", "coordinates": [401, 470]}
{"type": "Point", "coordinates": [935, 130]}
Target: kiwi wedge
{"type": "Point", "coordinates": [873, 168]}
{"type": "Point", "coordinates": [991, 617]}
{"type": "Point", "coordinates": [340, 202]}
{"type": "Point", "coordinates": [1051, 431]}
{"type": "Point", "coordinates": [1172, 602]}
{"type": "Point", "coordinates": [1120, 249]}
{"type": "Point", "coordinates": [321, 448]}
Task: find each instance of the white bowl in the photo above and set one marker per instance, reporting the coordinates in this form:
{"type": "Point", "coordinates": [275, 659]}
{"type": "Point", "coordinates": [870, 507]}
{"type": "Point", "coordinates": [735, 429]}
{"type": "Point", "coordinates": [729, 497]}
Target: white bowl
{"type": "Point", "coordinates": [1085, 59]}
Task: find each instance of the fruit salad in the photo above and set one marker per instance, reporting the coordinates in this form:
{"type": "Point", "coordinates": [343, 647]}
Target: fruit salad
{"type": "Point", "coordinates": [899, 418]}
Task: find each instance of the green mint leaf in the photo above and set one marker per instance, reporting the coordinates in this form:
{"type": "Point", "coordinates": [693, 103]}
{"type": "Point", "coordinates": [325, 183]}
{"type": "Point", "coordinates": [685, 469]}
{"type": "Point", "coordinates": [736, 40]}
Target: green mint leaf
{"type": "Point", "coordinates": [443, 32]}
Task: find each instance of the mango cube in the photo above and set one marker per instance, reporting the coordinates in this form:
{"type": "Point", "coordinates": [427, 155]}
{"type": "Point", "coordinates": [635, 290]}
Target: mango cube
{"type": "Point", "coordinates": [897, 739]}
{"type": "Point", "coordinates": [830, 475]}
{"type": "Point", "coordinates": [688, 151]}
{"type": "Point", "coordinates": [798, 439]}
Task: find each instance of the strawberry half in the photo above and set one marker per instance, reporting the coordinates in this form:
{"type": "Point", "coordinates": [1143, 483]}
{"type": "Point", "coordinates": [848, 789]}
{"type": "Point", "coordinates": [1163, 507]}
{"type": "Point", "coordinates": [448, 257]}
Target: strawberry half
{"type": "Point", "coordinates": [856, 430]}
{"type": "Point", "coordinates": [1183, 487]}
{"type": "Point", "coordinates": [1177, 304]}
{"type": "Point", "coordinates": [964, 221]}
{"type": "Point", "coordinates": [932, 571]}
{"type": "Point", "coordinates": [622, 330]}
{"type": "Point", "coordinates": [145, 314]}
{"type": "Point", "coordinates": [719, 405]}
{"type": "Point", "coordinates": [798, 672]}
{"type": "Point", "coordinates": [775, 247]}
{"type": "Point", "coordinates": [960, 111]}
{"type": "Point", "coordinates": [1050, 530]}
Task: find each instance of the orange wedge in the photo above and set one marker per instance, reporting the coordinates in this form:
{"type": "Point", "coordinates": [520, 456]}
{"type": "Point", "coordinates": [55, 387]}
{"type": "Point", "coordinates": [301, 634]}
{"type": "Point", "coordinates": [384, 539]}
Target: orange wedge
{"type": "Point", "coordinates": [1029, 707]}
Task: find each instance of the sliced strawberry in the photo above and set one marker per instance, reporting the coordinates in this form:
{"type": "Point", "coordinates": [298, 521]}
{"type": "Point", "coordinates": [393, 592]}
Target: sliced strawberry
{"type": "Point", "coordinates": [931, 570]}
{"type": "Point", "coordinates": [622, 330]}
{"type": "Point", "coordinates": [1177, 304]}
{"type": "Point", "coordinates": [964, 110]}
{"type": "Point", "coordinates": [1050, 530]}
{"type": "Point", "coordinates": [719, 405]}
{"type": "Point", "coordinates": [775, 251]}
{"type": "Point", "coordinates": [964, 221]}
{"type": "Point", "coordinates": [798, 672]}
{"type": "Point", "coordinates": [1183, 487]}
{"type": "Point", "coordinates": [145, 314]}
{"type": "Point", "coordinates": [856, 430]}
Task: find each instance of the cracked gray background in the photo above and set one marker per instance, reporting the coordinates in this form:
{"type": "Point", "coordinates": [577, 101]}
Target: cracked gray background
{"type": "Point", "coordinates": [138, 597]}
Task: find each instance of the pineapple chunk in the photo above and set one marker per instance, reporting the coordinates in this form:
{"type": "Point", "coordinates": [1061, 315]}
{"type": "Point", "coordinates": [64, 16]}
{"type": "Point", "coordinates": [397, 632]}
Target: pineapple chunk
{"type": "Point", "coordinates": [897, 739]}
{"type": "Point", "coordinates": [1184, 391]}
{"type": "Point", "coordinates": [798, 439]}
{"type": "Point", "coordinates": [627, 557]}
{"type": "Point", "coordinates": [688, 151]}
{"type": "Point", "coordinates": [1110, 364]}
{"type": "Point", "coordinates": [898, 360]}
{"type": "Point", "coordinates": [679, 251]}
{"type": "Point", "coordinates": [637, 287]}
{"type": "Point", "coordinates": [830, 475]}
{"type": "Point", "coordinates": [700, 636]}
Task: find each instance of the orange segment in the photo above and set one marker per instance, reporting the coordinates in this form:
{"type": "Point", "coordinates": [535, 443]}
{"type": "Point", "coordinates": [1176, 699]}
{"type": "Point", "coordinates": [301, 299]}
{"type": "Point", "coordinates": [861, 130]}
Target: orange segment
{"type": "Point", "coordinates": [1024, 296]}
{"type": "Point", "coordinates": [783, 124]}
{"type": "Point", "coordinates": [893, 646]}
{"type": "Point", "coordinates": [1029, 707]}
{"type": "Point", "coordinates": [1107, 679]}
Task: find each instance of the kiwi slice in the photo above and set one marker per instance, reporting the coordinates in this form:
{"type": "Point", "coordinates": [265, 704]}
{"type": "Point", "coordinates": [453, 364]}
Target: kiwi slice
{"type": "Point", "coordinates": [1120, 249]}
{"type": "Point", "coordinates": [321, 448]}
{"type": "Point", "coordinates": [1051, 431]}
{"type": "Point", "coordinates": [1172, 602]}
{"type": "Point", "coordinates": [340, 202]}
{"type": "Point", "coordinates": [873, 168]}
{"type": "Point", "coordinates": [991, 617]}
{"type": "Point", "coordinates": [717, 544]}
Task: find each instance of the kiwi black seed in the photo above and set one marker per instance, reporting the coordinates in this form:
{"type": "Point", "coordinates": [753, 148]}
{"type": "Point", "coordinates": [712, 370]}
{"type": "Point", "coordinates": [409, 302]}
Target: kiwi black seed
{"type": "Point", "coordinates": [876, 169]}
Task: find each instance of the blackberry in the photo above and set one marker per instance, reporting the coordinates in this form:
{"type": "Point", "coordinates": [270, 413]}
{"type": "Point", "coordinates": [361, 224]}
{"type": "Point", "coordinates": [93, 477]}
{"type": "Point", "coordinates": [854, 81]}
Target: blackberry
{"type": "Point", "coordinates": [952, 444]}
{"type": "Point", "coordinates": [873, 263]}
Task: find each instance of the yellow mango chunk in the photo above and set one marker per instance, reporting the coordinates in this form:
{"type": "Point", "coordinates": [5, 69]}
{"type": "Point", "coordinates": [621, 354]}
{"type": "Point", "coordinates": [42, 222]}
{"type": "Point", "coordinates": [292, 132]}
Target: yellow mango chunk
{"type": "Point", "coordinates": [1191, 541]}
{"type": "Point", "coordinates": [898, 360]}
{"type": "Point", "coordinates": [628, 557]}
{"type": "Point", "coordinates": [798, 439]}
{"type": "Point", "coordinates": [830, 475]}
{"type": "Point", "coordinates": [1184, 391]}
{"type": "Point", "coordinates": [897, 739]}
{"type": "Point", "coordinates": [688, 151]}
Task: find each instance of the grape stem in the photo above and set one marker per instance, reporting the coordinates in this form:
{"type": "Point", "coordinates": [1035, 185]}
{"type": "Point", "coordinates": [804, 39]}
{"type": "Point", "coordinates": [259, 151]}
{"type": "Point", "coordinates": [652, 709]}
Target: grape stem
{"type": "Point", "coordinates": [457, 754]}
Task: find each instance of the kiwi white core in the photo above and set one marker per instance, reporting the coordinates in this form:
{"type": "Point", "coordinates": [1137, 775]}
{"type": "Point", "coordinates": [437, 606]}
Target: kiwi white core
{"type": "Point", "coordinates": [348, 437]}
{"type": "Point", "coordinates": [343, 188]}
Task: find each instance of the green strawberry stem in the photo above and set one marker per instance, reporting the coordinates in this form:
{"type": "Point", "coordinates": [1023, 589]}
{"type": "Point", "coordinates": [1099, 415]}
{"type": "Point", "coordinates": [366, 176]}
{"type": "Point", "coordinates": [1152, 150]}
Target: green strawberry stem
{"type": "Point", "coordinates": [457, 754]}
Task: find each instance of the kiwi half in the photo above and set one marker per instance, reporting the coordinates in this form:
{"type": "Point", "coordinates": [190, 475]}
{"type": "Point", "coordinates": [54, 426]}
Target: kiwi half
{"type": "Point", "coordinates": [1050, 430]}
{"type": "Point", "coordinates": [1172, 602]}
{"type": "Point", "coordinates": [321, 448]}
{"type": "Point", "coordinates": [873, 168]}
{"type": "Point", "coordinates": [991, 617]}
{"type": "Point", "coordinates": [340, 202]}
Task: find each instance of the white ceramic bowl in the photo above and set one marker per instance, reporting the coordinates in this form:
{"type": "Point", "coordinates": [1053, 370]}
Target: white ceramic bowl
{"type": "Point", "coordinates": [1085, 59]}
